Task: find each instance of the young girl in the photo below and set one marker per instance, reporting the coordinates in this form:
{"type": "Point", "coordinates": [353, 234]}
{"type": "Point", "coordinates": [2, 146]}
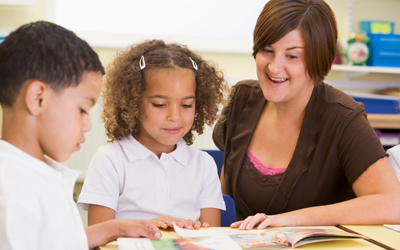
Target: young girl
{"type": "Point", "coordinates": [155, 96]}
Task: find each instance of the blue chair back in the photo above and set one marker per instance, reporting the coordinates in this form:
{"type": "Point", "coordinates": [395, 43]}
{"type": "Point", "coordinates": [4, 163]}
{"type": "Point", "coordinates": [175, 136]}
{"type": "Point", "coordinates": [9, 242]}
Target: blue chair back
{"type": "Point", "coordinates": [218, 156]}
{"type": "Point", "coordinates": [229, 215]}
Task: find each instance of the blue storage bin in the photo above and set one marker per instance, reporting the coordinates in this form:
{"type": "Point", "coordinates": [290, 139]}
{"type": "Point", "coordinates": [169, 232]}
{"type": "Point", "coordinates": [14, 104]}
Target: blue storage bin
{"type": "Point", "coordinates": [384, 50]}
{"type": "Point", "coordinates": [378, 104]}
{"type": "Point", "coordinates": [377, 27]}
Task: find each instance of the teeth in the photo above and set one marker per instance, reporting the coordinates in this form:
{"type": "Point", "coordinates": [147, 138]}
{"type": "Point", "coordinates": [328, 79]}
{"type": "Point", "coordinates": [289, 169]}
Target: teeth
{"type": "Point", "coordinates": [277, 79]}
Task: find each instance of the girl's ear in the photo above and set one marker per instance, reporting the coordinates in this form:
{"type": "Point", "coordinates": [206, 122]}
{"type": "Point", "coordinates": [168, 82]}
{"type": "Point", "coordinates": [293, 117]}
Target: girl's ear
{"type": "Point", "coordinates": [35, 95]}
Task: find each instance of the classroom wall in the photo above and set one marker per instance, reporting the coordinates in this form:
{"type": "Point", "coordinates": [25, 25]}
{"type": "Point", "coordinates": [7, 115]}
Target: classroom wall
{"type": "Point", "coordinates": [235, 66]}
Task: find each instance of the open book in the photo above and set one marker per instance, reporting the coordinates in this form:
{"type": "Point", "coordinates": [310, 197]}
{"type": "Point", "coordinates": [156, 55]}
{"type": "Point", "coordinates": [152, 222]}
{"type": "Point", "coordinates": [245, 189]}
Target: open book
{"type": "Point", "coordinates": [235, 239]}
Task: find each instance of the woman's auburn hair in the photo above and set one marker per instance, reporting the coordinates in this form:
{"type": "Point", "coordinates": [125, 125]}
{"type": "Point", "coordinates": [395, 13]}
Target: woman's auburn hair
{"type": "Point", "coordinates": [125, 83]}
{"type": "Point", "coordinates": [317, 24]}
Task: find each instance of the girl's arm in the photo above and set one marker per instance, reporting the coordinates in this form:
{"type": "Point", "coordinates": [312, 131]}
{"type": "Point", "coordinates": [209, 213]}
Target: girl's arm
{"type": "Point", "coordinates": [209, 217]}
{"type": "Point", "coordinates": [377, 202]}
{"type": "Point", "coordinates": [98, 214]}
{"type": "Point", "coordinates": [108, 231]}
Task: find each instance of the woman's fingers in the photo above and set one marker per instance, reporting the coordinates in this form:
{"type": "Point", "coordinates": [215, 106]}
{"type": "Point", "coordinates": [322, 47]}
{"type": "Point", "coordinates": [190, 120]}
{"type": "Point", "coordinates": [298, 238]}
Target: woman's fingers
{"type": "Point", "coordinates": [252, 221]}
{"type": "Point", "coordinates": [265, 223]}
{"type": "Point", "coordinates": [246, 223]}
{"type": "Point", "coordinates": [236, 224]}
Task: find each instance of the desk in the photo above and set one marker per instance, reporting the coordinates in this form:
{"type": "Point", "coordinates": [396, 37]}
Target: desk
{"type": "Point", "coordinates": [377, 232]}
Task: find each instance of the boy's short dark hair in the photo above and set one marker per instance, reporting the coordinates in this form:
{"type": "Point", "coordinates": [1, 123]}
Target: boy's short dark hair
{"type": "Point", "coordinates": [46, 52]}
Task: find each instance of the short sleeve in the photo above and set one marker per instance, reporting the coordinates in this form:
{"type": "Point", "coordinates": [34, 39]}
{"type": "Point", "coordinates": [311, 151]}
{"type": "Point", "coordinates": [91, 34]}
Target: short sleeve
{"type": "Point", "coordinates": [220, 128]}
{"type": "Point", "coordinates": [211, 195]}
{"type": "Point", "coordinates": [359, 147]}
{"type": "Point", "coordinates": [101, 185]}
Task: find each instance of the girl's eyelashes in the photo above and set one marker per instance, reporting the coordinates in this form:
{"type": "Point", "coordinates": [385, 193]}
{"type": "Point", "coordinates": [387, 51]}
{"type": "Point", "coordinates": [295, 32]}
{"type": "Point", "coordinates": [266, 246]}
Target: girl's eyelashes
{"type": "Point", "coordinates": [158, 105]}
{"type": "Point", "coordinates": [291, 56]}
{"type": "Point", "coordinates": [163, 105]}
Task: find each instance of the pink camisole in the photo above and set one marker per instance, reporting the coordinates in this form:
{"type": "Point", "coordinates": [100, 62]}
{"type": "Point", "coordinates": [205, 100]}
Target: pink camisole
{"type": "Point", "coordinates": [262, 168]}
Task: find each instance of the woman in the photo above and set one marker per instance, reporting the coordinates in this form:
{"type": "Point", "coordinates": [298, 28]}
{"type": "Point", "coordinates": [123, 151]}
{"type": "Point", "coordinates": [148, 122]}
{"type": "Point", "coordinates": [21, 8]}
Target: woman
{"type": "Point", "coordinates": [296, 148]}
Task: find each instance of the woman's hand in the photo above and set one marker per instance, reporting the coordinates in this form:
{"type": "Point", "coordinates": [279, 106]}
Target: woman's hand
{"type": "Point", "coordinates": [261, 219]}
{"type": "Point", "coordinates": [167, 221]}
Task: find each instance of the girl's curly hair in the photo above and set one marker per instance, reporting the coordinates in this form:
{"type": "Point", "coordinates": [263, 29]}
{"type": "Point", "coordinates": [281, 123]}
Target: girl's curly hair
{"type": "Point", "coordinates": [124, 87]}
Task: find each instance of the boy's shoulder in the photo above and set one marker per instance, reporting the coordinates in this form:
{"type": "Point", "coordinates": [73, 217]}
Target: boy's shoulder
{"type": "Point", "coordinates": [13, 163]}
{"type": "Point", "coordinates": [22, 176]}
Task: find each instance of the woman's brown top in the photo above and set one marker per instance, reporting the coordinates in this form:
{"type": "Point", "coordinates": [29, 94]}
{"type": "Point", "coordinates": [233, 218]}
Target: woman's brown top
{"type": "Point", "coordinates": [335, 146]}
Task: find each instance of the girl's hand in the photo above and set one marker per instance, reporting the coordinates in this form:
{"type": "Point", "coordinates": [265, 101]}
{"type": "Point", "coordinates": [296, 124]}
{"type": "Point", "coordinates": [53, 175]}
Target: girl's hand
{"type": "Point", "coordinates": [261, 219]}
{"type": "Point", "coordinates": [198, 225]}
{"type": "Point", "coordinates": [167, 221]}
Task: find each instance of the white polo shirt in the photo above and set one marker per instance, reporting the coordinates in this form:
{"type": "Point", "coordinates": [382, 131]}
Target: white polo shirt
{"type": "Point", "coordinates": [132, 180]}
{"type": "Point", "coordinates": [37, 211]}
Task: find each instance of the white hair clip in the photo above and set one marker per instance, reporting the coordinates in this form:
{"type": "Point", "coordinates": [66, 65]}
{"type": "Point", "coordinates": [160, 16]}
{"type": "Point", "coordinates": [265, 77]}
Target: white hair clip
{"type": "Point", "coordinates": [194, 64]}
{"type": "Point", "coordinates": [142, 63]}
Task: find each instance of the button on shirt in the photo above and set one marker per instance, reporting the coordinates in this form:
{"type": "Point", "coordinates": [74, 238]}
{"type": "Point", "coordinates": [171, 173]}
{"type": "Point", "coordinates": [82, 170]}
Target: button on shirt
{"type": "Point", "coordinates": [132, 180]}
{"type": "Point", "coordinates": [37, 211]}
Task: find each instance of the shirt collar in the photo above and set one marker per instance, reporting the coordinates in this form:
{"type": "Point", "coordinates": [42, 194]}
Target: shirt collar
{"type": "Point", "coordinates": [181, 153]}
{"type": "Point", "coordinates": [134, 150]}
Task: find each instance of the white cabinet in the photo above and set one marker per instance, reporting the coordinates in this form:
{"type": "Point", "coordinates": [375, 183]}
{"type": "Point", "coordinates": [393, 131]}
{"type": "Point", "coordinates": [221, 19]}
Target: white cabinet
{"type": "Point", "coordinates": [365, 69]}
{"type": "Point", "coordinates": [381, 121]}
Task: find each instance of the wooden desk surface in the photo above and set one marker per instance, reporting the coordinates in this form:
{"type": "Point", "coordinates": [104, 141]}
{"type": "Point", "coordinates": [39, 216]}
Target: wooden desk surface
{"type": "Point", "coordinates": [379, 233]}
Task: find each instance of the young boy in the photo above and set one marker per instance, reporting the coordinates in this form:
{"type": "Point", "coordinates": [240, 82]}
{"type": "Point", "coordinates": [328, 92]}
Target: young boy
{"type": "Point", "coordinates": [49, 81]}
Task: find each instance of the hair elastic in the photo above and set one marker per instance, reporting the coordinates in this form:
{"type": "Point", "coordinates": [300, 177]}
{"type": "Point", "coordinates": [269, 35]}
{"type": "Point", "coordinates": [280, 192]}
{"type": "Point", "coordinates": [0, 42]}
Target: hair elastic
{"type": "Point", "coordinates": [194, 64]}
{"type": "Point", "coordinates": [142, 63]}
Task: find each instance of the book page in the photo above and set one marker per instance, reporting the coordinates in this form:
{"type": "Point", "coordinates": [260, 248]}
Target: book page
{"type": "Point", "coordinates": [393, 227]}
{"type": "Point", "coordinates": [209, 233]}
{"type": "Point", "coordinates": [273, 238]}
{"type": "Point", "coordinates": [222, 242]}
{"type": "Point", "coordinates": [299, 236]}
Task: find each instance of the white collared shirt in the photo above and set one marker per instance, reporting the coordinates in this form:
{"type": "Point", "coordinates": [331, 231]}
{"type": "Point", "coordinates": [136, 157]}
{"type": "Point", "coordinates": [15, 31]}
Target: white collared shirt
{"type": "Point", "coordinates": [130, 179]}
{"type": "Point", "coordinates": [394, 159]}
{"type": "Point", "coordinates": [37, 211]}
